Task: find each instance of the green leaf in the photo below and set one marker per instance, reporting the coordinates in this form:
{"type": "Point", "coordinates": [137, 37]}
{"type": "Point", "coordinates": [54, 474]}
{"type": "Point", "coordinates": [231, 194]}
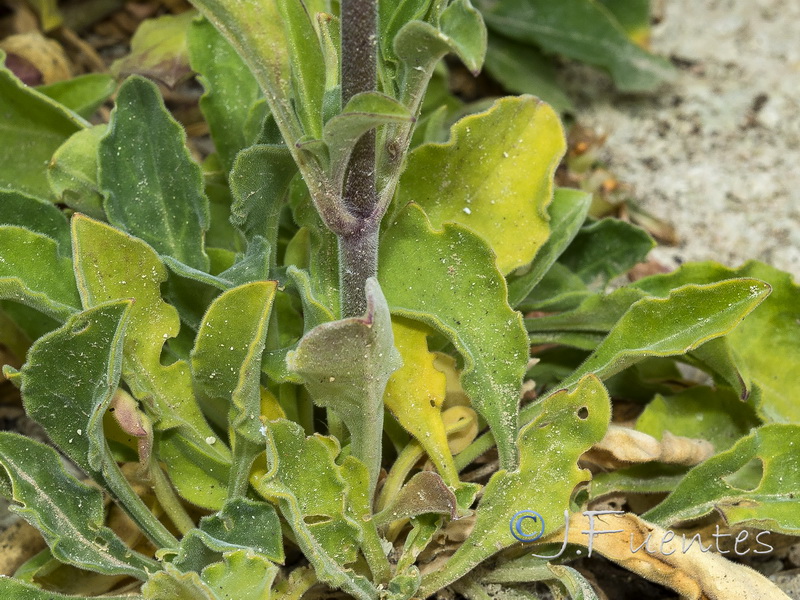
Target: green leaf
{"type": "Point", "coordinates": [648, 478]}
{"type": "Point", "coordinates": [567, 424]}
{"type": "Point", "coordinates": [527, 569]}
{"type": "Point", "coordinates": [37, 215]}
{"type": "Point", "coordinates": [462, 31]}
{"type": "Point", "coordinates": [715, 415]}
{"type": "Point", "coordinates": [221, 237]}
{"type": "Point", "coordinates": [360, 509]}
{"type": "Point", "coordinates": [260, 183]}
{"type": "Point", "coordinates": [256, 31]}
{"type": "Point", "coordinates": [567, 213]}
{"type": "Point", "coordinates": [314, 312]}
{"type": "Point", "coordinates": [392, 16]}
{"type": "Point", "coordinates": [606, 249]}
{"type": "Point", "coordinates": [251, 266]}
{"type": "Point", "coordinates": [463, 26]}
{"type": "Point", "coordinates": [679, 323]}
{"type": "Point", "coordinates": [79, 364]}
{"type": "Point", "coordinates": [231, 91]}
{"type": "Point", "coordinates": [774, 324]}
{"type": "Point", "coordinates": [718, 358]}
{"type": "Point", "coordinates": [454, 286]}
{"type": "Point", "coordinates": [345, 366]}
{"type": "Point", "coordinates": [112, 265]}
{"type": "Point", "coordinates": [583, 30]}
{"type": "Point", "coordinates": [754, 483]}
{"type": "Point", "coordinates": [226, 358]}
{"type": "Point", "coordinates": [558, 290]}
{"type": "Point", "coordinates": [31, 322]}
{"type": "Point", "coordinates": [33, 273]}
{"type": "Point", "coordinates": [158, 50]}
{"type": "Point", "coordinates": [154, 189]}
{"type": "Point", "coordinates": [83, 94]}
{"type": "Point", "coordinates": [33, 127]}
{"type": "Point", "coordinates": [423, 530]}
{"type": "Point", "coordinates": [585, 327]}
{"type": "Point", "coordinates": [307, 64]}
{"type": "Point", "coordinates": [633, 16]}
{"type": "Point", "coordinates": [313, 502]}
{"type": "Point", "coordinates": [18, 590]}
{"type": "Point", "coordinates": [494, 176]}
{"type": "Point", "coordinates": [523, 69]}
{"type": "Point", "coordinates": [171, 584]}
{"type": "Point", "coordinates": [245, 524]}
{"type": "Point", "coordinates": [72, 172]}
{"type": "Point", "coordinates": [322, 248]}
{"type": "Point", "coordinates": [13, 336]}
{"type": "Point", "coordinates": [363, 112]}
{"type": "Point", "coordinates": [241, 575]}
{"type": "Point", "coordinates": [591, 320]}
{"type": "Point", "coordinates": [330, 35]}
{"type": "Point", "coordinates": [69, 514]}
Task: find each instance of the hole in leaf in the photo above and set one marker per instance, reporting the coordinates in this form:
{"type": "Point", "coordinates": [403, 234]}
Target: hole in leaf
{"type": "Point", "coordinates": [748, 477]}
{"type": "Point", "coordinates": [316, 519]}
{"type": "Point", "coordinates": [433, 403]}
{"type": "Point", "coordinates": [583, 413]}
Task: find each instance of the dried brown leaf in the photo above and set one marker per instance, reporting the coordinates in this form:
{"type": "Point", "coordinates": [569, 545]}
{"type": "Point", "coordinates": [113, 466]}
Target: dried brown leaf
{"type": "Point", "coordinates": [44, 58]}
{"type": "Point", "coordinates": [694, 574]}
{"type": "Point", "coordinates": [622, 447]}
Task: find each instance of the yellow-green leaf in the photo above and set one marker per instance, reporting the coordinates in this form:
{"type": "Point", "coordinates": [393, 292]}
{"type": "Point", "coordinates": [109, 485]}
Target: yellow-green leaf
{"type": "Point", "coordinates": [567, 425]}
{"type": "Point", "coordinates": [494, 176]}
{"type": "Point", "coordinates": [313, 502]}
{"type": "Point", "coordinates": [415, 394]}
{"type": "Point", "coordinates": [112, 265]}
{"type": "Point", "coordinates": [72, 172]}
{"type": "Point", "coordinates": [226, 359]}
{"type": "Point", "coordinates": [241, 575]}
{"type": "Point", "coordinates": [713, 414]}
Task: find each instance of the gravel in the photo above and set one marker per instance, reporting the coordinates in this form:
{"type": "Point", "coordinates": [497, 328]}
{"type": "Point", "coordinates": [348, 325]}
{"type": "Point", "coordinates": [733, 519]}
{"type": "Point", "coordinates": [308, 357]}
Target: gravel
{"type": "Point", "coordinates": [716, 152]}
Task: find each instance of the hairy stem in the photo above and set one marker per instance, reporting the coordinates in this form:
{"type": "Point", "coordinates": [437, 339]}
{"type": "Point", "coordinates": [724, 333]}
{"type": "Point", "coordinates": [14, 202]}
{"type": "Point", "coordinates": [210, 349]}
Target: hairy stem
{"type": "Point", "coordinates": [359, 43]}
{"type": "Point", "coordinates": [358, 261]}
{"type": "Point", "coordinates": [358, 251]}
{"type": "Point", "coordinates": [244, 453]}
{"type": "Point", "coordinates": [137, 510]}
{"type": "Point", "coordinates": [169, 501]}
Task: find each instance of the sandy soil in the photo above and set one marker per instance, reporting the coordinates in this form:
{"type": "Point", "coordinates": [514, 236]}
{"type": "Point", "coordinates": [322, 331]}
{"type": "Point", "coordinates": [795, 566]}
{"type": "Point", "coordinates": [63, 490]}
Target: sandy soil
{"type": "Point", "coordinates": [717, 151]}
